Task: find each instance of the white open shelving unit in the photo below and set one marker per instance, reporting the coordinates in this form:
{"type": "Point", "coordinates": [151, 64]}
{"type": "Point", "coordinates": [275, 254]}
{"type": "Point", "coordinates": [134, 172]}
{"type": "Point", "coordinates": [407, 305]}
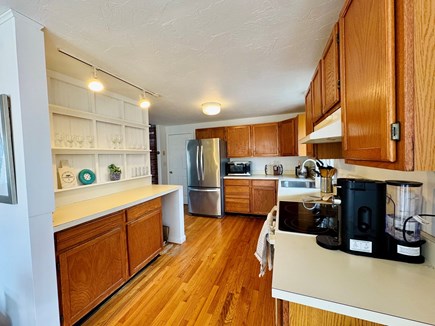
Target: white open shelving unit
{"type": "Point", "coordinates": [92, 130]}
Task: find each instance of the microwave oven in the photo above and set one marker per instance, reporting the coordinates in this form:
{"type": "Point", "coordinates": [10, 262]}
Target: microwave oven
{"type": "Point", "coordinates": [238, 168]}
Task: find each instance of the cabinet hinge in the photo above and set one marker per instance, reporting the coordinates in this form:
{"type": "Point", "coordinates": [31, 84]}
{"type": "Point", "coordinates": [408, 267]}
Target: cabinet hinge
{"type": "Point", "coordinates": [61, 319]}
{"type": "Point", "coordinates": [338, 38]}
{"type": "Point", "coordinates": [57, 266]}
{"type": "Point", "coordinates": [338, 84]}
{"type": "Point", "coordinates": [395, 131]}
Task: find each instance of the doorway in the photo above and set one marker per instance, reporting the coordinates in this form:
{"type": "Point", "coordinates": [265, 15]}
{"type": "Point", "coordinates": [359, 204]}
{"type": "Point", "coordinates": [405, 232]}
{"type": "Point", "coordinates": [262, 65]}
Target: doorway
{"type": "Point", "coordinates": [177, 165]}
{"type": "Point", "coordinates": [153, 155]}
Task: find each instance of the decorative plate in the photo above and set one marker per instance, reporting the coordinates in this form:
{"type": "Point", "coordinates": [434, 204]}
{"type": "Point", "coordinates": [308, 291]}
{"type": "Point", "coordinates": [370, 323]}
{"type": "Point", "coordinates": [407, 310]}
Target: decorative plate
{"type": "Point", "coordinates": [86, 176]}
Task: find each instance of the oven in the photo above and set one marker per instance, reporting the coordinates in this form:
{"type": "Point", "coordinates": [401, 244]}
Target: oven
{"type": "Point", "coordinates": [315, 218]}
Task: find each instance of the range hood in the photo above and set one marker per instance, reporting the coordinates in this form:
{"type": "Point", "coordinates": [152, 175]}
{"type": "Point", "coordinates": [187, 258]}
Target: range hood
{"type": "Point", "coordinates": [327, 131]}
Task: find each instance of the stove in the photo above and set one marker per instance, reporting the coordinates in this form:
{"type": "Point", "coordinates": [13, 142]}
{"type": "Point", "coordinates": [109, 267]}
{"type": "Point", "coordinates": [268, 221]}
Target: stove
{"type": "Point", "coordinates": [310, 218]}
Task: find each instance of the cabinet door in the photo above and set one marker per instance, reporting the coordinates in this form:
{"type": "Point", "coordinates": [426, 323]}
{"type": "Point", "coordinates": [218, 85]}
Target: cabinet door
{"type": "Point", "coordinates": [288, 140]}
{"type": "Point", "coordinates": [203, 133]}
{"type": "Point", "coordinates": [238, 141]}
{"type": "Point", "coordinates": [309, 119]}
{"type": "Point", "coordinates": [296, 314]}
{"type": "Point", "coordinates": [316, 88]}
{"type": "Point", "coordinates": [263, 196]}
{"type": "Point", "coordinates": [367, 71]}
{"type": "Point", "coordinates": [265, 139]}
{"type": "Point", "coordinates": [91, 270]}
{"type": "Point", "coordinates": [218, 132]}
{"type": "Point", "coordinates": [330, 72]}
{"type": "Point", "coordinates": [144, 240]}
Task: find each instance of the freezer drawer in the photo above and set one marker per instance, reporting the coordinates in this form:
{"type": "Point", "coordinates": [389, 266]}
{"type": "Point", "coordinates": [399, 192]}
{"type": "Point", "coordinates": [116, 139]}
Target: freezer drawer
{"type": "Point", "coordinates": [205, 201]}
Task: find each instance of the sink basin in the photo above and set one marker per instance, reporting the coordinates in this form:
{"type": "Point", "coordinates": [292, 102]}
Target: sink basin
{"type": "Point", "coordinates": [297, 184]}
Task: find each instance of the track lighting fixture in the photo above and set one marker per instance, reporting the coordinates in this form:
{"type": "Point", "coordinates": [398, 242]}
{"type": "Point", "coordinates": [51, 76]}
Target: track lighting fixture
{"type": "Point", "coordinates": [96, 85]}
{"type": "Point", "coordinates": [144, 102]}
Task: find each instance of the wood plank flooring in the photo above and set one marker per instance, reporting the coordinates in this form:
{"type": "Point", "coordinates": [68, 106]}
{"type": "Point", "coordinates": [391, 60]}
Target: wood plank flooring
{"type": "Point", "coordinates": [211, 279]}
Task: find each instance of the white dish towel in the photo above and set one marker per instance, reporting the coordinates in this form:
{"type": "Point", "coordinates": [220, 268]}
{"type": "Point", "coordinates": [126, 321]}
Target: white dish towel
{"type": "Point", "coordinates": [264, 252]}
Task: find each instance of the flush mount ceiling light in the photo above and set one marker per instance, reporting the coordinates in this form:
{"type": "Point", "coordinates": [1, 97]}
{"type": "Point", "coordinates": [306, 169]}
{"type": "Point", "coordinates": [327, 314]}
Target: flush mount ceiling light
{"type": "Point", "coordinates": [211, 108]}
{"type": "Point", "coordinates": [96, 86]}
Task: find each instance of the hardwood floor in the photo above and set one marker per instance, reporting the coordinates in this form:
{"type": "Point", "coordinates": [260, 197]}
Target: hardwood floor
{"type": "Point", "coordinates": [211, 279]}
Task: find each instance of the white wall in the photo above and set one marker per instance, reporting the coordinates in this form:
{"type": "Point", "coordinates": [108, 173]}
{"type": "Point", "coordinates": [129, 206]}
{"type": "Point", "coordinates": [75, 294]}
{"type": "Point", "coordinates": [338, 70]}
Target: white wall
{"type": "Point", "coordinates": [28, 290]}
{"type": "Point", "coordinates": [258, 163]}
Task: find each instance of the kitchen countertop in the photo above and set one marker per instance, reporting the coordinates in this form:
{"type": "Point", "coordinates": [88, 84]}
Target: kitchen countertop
{"type": "Point", "coordinates": [80, 212]}
{"type": "Point", "coordinates": [382, 291]}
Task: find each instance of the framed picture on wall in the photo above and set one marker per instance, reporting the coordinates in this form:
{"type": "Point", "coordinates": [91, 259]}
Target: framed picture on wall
{"type": "Point", "coordinates": [8, 191]}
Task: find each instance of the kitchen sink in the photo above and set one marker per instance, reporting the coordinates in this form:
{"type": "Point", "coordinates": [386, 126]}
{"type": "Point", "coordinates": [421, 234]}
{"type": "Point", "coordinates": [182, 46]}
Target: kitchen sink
{"type": "Point", "coordinates": [297, 184]}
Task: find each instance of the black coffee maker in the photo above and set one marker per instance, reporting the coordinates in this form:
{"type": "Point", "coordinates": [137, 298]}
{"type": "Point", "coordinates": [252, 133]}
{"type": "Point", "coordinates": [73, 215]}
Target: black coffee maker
{"type": "Point", "coordinates": [363, 223]}
{"type": "Point", "coordinates": [363, 213]}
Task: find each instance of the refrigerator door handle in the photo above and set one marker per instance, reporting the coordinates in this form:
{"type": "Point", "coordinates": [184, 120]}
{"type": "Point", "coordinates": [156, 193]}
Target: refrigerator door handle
{"type": "Point", "coordinates": [197, 163]}
{"type": "Point", "coordinates": [202, 163]}
{"type": "Point", "coordinates": [205, 190]}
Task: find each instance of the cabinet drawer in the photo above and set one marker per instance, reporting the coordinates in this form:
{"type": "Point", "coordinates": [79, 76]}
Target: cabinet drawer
{"type": "Point", "coordinates": [144, 208]}
{"type": "Point", "coordinates": [236, 182]}
{"type": "Point", "coordinates": [237, 191]}
{"type": "Point", "coordinates": [79, 234]}
{"type": "Point", "coordinates": [237, 205]}
{"type": "Point", "coordinates": [264, 183]}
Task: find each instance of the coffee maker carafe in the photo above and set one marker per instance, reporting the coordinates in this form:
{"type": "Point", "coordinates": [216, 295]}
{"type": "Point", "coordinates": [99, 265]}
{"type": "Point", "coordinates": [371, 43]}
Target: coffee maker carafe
{"type": "Point", "coordinates": [403, 204]}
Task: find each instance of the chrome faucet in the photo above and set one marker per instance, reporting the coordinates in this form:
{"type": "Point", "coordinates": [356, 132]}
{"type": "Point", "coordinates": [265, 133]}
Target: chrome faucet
{"type": "Point", "coordinates": [303, 171]}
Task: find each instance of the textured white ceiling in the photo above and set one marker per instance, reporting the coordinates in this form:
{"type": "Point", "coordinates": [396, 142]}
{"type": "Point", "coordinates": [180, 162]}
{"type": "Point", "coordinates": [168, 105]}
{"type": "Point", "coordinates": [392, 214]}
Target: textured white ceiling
{"type": "Point", "coordinates": [256, 57]}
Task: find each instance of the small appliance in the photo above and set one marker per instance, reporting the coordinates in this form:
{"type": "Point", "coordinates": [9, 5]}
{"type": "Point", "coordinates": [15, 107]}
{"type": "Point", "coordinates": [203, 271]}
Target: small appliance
{"type": "Point", "coordinates": [273, 169]}
{"type": "Point", "coordinates": [379, 222]}
{"type": "Point", "coordinates": [362, 216]}
{"type": "Point", "coordinates": [238, 168]}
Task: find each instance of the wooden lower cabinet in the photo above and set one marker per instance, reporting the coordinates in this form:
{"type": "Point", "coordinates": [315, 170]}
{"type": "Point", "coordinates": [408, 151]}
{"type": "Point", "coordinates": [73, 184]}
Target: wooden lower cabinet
{"type": "Point", "coordinates": [144, 234]}
{"type": "Point", "coordinates": [263, 196]}
{"type": "Point", "coordinates": [237, 196]}
{"type": "Point", "coordinates": [250, 196]}
{"type": "Point", "coordinates": [94, 259]}
{"type": "Point", "coordinates": [92, 264]}
{"type": "Point", "coordinates": [293, 314]}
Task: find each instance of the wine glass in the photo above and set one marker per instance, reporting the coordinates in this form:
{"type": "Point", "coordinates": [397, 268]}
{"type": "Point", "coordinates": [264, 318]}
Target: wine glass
{"type": "Point", "coordinates": [79, 140]}
{"type": "Point", "coordinates": [90, 140]}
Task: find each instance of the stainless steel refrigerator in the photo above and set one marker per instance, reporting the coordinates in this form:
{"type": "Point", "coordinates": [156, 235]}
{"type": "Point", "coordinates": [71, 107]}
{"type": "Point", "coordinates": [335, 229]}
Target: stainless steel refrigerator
{"type": "Point", "coordinates": [206, 160]}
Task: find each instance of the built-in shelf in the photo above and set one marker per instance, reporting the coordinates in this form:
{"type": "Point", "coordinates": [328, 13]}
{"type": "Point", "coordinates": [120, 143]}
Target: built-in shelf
{"type": "Point", "coordinates": [93, 130]}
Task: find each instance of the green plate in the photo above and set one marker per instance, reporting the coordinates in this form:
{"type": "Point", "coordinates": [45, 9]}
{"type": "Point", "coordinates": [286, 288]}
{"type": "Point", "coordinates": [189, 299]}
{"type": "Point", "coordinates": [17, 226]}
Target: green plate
{"type": "Point", "coordinates": [86, 176]}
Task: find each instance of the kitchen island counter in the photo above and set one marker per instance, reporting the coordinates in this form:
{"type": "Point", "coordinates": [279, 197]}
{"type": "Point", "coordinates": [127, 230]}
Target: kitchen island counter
{"type": "Point", "coordinates": [382, 291]}
{"type": "Point", "coordinates": [83, 211]}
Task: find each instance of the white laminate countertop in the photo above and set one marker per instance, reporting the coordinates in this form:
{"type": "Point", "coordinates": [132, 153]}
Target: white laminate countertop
{"type": "Point", "coordinates": [74, 214]}
{"type": "Point", "coordinates": [382, 291]}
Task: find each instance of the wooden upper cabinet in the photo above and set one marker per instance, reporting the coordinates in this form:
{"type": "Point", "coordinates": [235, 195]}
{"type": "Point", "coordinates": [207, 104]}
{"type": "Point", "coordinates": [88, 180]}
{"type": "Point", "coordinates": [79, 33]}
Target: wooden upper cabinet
{"type": "Point", "coordinates": [265, 139]}
{"type": "Point", "coordinates": [288, 137]}
{"type": "Point", "coordinates": [309, 119]}
{"type": "Point", "coordinates": [316, 89]}
{"type": "Point", "coordinates": [367, 62]}
{"type": "Point", "coordinates": [330, 72]}
{"type": "Point", "coordinates": [238, 141]}
{"type": "Point", "coordinates": [204, 133]}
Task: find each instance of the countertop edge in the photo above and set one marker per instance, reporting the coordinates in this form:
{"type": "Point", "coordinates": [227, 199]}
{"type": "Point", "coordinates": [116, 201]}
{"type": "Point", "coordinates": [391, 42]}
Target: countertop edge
{"type": "Point", "coordinates": [110, 208]}
{"type": "Point", "coordinates": [339, 308]}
